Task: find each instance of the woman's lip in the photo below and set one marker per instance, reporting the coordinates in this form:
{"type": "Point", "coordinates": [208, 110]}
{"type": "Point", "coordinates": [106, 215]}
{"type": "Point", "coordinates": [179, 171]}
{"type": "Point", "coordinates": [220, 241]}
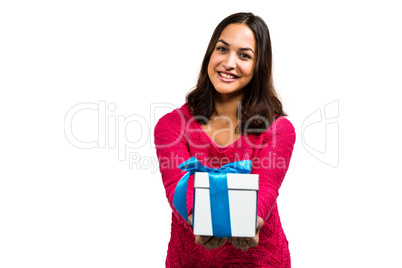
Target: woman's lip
{"type": "Point", "coordinates": [224, 79]}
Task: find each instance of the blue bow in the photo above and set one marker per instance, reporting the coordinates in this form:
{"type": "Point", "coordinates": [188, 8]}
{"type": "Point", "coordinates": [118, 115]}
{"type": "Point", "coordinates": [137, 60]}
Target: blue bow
{"type": "Point", "coordinates": [218, 192]}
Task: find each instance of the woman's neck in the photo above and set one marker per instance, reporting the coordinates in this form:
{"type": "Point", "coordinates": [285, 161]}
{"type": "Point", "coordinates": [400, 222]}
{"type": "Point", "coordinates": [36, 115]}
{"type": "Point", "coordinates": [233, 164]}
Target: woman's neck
{"type": "Point", "coordinates": [227, 105]}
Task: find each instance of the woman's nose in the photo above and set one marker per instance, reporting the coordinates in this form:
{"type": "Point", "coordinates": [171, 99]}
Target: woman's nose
{"type": "Point", "coordinates": [230, 61]}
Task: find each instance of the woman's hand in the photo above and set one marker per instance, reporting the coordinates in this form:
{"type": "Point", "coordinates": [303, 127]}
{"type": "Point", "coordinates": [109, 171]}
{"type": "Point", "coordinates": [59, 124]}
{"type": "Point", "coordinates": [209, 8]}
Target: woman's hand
{"type": "Point", "coordinates": [244, 243]}
{"type": "Point", "coordinates": [209, 242]}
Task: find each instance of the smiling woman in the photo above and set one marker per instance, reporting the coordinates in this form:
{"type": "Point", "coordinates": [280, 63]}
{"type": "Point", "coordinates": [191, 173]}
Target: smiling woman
{"type": "Point", "coordinates": [233, 114]}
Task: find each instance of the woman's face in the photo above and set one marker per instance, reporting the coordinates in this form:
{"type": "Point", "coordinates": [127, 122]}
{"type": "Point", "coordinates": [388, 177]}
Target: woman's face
{"type": "Point", "coordinates": [231, 65]}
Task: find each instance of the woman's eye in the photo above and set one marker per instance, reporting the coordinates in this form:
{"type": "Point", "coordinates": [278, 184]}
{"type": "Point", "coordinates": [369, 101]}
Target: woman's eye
{"type": "Point", "coordinates": [244, 55]}
{"type": "Point", "coordinates": [222, 49]}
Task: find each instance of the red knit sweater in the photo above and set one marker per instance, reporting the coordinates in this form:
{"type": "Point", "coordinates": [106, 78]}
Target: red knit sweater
{"type": "Point", "coordinates": [178, 137]}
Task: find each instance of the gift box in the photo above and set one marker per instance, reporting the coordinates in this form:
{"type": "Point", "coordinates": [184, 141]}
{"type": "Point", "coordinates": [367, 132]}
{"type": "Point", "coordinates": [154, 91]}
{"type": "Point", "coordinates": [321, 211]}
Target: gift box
{"type": "Point", "coordinates": [232, 212]}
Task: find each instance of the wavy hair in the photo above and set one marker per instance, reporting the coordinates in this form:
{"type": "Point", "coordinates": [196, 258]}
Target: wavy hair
{"type": "Point", "coordinates": [260, 104]}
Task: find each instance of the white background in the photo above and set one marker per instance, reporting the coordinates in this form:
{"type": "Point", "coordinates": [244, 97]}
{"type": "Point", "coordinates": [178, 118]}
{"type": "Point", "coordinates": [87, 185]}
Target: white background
{"type": "Point", "coordinates": [64, 206]}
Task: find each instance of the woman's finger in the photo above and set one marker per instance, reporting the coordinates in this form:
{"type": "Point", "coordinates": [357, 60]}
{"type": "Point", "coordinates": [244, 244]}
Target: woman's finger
{"type": "Point", "coordinates": [253, 242]}
{"type": "Point", "coordinates": [214, 242]}
{"type": "Point", "coordinates": [234, 241]}
{"type": "Point", "coordinates": [243, 245]}
{"type": "Point", "coordinates": [202, 239]}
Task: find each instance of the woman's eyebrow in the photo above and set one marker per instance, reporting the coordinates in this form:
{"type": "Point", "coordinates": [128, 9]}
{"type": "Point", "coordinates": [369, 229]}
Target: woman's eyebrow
{"type": "Point", "coordinates": [227, 44]}
{"type": "Point", "coordinates": [224, 42]}
{"type": "Point", "coordinates": [247, 48]}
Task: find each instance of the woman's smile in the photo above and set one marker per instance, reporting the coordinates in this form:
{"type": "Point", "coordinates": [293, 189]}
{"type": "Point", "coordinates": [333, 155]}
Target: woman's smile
{"type": "Point", "coordinates": [227, 77]}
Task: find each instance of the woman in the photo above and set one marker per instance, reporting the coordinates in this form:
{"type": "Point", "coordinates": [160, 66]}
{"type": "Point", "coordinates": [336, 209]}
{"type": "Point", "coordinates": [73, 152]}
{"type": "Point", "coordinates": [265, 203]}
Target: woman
{"type": "Point", "coordinates": [232, 114]}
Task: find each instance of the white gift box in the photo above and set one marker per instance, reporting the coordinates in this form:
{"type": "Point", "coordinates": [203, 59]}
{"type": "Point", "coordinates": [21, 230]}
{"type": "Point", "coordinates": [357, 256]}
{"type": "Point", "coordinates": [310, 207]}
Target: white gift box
{"type": "Point", "coordinates": [243, 196]}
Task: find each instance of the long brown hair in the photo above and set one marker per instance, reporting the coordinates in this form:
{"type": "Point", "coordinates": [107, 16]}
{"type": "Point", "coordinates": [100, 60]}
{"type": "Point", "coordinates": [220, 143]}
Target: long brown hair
{"type": "Point", "coordinates": [260, 104]}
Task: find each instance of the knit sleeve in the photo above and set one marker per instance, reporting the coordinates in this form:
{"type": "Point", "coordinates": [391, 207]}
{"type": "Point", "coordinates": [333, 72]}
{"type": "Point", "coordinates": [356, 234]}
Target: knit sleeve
{"type": "Point", "coordinates": [273, 163]}
{"type": "Point", "coordinates": [172, 150]}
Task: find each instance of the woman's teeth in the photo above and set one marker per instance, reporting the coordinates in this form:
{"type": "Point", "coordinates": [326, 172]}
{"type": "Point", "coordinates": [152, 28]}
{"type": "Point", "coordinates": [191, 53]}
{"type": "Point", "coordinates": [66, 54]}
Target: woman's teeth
{"type": "Point", "coordinates": [227, 75]}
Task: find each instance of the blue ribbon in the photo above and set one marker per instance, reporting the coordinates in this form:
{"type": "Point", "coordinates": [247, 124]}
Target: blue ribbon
{"type": "Point", "coordinates": [218, 192]}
